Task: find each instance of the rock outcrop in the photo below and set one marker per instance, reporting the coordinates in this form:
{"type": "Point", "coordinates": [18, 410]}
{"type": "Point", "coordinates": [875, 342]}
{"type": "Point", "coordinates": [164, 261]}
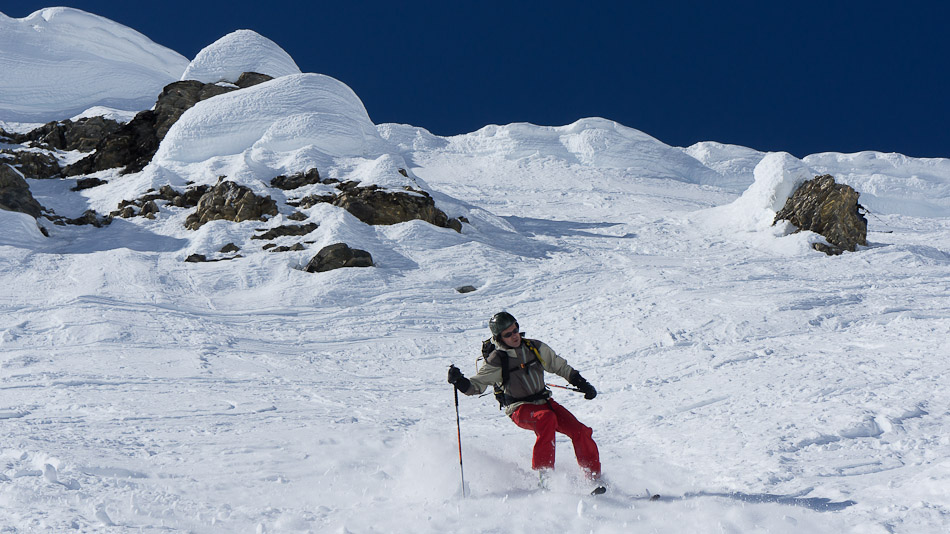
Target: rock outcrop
{"type": "Point", "coordinates": [286, 230]}
{"type": "Point", "coordinates": [232, 202]}
{"type": "Point", "coordinates": [829, 209]}
{"type": "Point", "coordinates": [37, 165]}
{"type": "Point", "coordinates": [130, 147]}
{"type": "Point", "coordinates": [15, 193]}
{"type": "Point", "coordinates": [373, 205]}
{"type": "Point", "coordinates": [81, 134]}
{"type": "Point", "coordinates": [146, 204]}
{"type": "Point", "coordinates": [310, 177]}
{"type": "Point", "coordinates": [337, 256]}
{"type": "Point", "coordinates": [133, 145]}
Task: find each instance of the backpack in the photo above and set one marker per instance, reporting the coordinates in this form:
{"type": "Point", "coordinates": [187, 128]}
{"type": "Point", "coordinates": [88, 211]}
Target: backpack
{"type": "Point", "coordinates": [488, 347]}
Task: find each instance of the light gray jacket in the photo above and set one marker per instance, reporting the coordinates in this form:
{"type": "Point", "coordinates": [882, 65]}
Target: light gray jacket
{"type": "Point", "coordinates": [522, 382]}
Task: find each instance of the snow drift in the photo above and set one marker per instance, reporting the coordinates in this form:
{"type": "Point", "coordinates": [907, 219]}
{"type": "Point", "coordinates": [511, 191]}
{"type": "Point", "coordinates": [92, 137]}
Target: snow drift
{"type": "Point", "coordinates": [592, 142]}
{"type": "Point", "coordinates": [59, 61]}
{"type": "Point", "coordinates": [280, 115]}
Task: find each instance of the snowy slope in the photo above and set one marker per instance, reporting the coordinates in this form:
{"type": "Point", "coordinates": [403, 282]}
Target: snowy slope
{"type": "Point", "coordinates": [59, 61]}
{"type": "Point", "coordinates": [758, 385]}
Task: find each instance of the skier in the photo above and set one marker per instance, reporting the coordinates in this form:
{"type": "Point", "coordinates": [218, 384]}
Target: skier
{"type": "Point", "coordinates": [517, 366]}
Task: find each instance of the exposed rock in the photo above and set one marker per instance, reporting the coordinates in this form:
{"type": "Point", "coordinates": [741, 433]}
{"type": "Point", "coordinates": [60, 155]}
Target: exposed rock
{"type": "Point", "coordinates": [248, 79]}
{"type": "Point", "coordinates": [337, 256]}
{"type": "Point", "coordinates": [829, 209]}
{"type": "Point", "coordinates": [87, 183]}
{"type": "Point", "coordinates": [149, 209]}
{"type": "Point", "coordinates": [373, 205]}
{"type": "Point", "coordinates": [133, 145]}
{"type": "Point", "coordinates": [298, 216]}
{"type": "Point", "coordinates": [178, 97]}
{"type": "Point", "coordinates": [82, 134]}
{"type": "Point", "coordinates": [229, 248]}
{"type": "Point", "coordinates": [89, 217]}
{"type": "Point", "coordinates": [37, 165]}
{"type": "Point", "coordinates": [310, 201]}
{"type": "Point", "coordinates": [188, 199]}
{"type": "Point", "coordinates": [230, 201]}
{"type": "Point", "coordinates": [292, 248]}
{"type": "Point", "coordinates": [201, 258]}
{"type": "Point", "coordinates": [294, 181]}
{"type": "Point", "coordinates": [15, 193]}
{"type": "Point", "coordinates": [465, 289]}
{"type": "Point", "coordinates": [290, 229]}
{"type": "Point", "coordinates": [126, 212]}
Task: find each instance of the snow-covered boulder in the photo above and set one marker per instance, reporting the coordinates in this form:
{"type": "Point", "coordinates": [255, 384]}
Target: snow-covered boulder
{"type": "Point", "coordinates": [830, 209]}
{"type": "Point", "coordinates": [777, 176]}
{"type": "Point", "coordinates": [232, 202]}
{"type": "Point", "coordinates": [281, 115]}
{"type": "Point", "coordinates": [59, 61]}
{"type": "Point", "coordinates": [750, 217]}
{"type": "Point", "coordinates": [15, 193]}
{"type": "Point", "coordinates": [337, 256]}
{"type": "Point", "coordinates": [236, 53]}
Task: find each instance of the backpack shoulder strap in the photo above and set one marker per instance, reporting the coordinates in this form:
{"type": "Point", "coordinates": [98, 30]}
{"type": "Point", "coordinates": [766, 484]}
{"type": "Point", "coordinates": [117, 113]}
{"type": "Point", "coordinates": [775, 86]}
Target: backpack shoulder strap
{"type": "Point", "coordinates": [534, 349]}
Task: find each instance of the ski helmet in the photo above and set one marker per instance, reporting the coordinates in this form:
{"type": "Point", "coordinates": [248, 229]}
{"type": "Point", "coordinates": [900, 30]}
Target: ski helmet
{"type": "Point", "coordinates": [500, 322]}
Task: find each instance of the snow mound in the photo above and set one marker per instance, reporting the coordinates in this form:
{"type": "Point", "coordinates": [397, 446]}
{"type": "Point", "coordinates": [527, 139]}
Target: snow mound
{"type": "Point", "coordinates": [238, 52]}
{"type": "Point", "coordinates": [285, 114]}
{"type": "Point", "coordinates": [593, 142]}
{"type": "Point", "coordinates": [60, 61]}
{"type": "Point", "coordinates": [777, 176]}
{"type": "Point", "coordinates": [891, 183]}
{"type": "Point", "coordinates": [736, 164]}
{"type": "Point", "coordinates": [411, 138]}
{"type": "Point", "coordinates": [19, 230]}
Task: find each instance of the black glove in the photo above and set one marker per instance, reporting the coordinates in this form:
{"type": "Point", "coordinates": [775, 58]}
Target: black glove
{"type": "Point", "coordinates": [580, 383]}
{"type": "Point", "coordinates": [457, 379]}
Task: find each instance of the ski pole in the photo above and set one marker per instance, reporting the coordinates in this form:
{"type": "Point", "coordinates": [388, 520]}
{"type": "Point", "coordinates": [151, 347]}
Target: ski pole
{"type": "Point", "coordinates": [564, 387]}
{"type": "Point", "coordinates": [458, 426]}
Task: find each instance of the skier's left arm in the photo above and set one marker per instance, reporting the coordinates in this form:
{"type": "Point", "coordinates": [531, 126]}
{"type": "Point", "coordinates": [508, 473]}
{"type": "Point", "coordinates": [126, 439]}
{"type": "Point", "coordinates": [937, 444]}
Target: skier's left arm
{"type": "Point", "coordinates": [555, 364]}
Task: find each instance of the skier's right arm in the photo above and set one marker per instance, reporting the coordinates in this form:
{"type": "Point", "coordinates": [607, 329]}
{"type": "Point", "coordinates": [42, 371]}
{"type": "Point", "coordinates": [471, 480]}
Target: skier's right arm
{"type": "Point", "coordinates": [486, 376]}
{"type": "Point", "coordinates": [457, 379]}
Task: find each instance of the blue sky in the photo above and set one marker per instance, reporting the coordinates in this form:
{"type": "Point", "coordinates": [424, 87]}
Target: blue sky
{"type": "Point", "coordinates": [803, 77]}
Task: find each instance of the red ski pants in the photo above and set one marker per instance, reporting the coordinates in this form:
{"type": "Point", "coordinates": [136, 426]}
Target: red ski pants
{"type": "Point", "coordinates": [545, 420]}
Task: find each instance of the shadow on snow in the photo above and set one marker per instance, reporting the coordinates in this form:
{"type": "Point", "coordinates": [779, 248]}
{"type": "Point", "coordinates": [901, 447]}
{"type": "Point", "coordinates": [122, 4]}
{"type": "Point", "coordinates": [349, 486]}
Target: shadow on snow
{"type": "Point", "coordinates": [552, 228]}
{"type": "Point", "coordinates": [818, 504]}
